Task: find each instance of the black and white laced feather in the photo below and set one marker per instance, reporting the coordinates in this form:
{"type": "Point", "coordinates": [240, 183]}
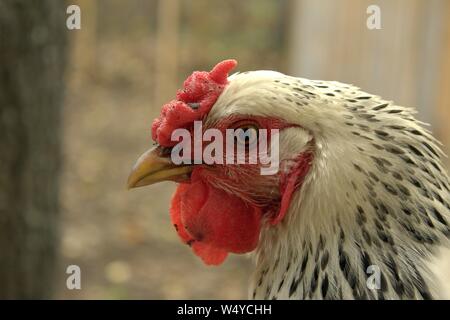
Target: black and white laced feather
{"type": "Point", "coordinates": [376, 195]}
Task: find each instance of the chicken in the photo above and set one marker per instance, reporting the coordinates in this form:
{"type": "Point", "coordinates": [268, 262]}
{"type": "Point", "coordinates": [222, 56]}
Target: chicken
{"type": "Point", "coordinates": [360, 190]}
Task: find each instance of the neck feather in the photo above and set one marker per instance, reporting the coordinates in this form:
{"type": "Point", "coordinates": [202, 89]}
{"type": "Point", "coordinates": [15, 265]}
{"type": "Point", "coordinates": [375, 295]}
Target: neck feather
{"type": "Point", "coordinates": [366, 245]}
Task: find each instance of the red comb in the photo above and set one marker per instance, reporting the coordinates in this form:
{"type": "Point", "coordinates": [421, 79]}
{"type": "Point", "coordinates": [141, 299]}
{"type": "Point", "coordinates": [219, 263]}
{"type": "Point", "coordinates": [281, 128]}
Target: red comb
{"type": "Point", "coordinates": [202, 88]}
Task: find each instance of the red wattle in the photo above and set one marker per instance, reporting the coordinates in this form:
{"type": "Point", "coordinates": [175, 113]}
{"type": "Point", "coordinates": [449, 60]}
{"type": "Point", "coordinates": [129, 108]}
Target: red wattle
{"type": "Point", "coordinates": [214, 222]}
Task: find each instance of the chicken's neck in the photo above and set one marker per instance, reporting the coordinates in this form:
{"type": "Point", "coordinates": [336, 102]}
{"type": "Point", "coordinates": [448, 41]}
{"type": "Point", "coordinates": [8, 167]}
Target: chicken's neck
{"type": "Point", "coordinates": [357, 248]}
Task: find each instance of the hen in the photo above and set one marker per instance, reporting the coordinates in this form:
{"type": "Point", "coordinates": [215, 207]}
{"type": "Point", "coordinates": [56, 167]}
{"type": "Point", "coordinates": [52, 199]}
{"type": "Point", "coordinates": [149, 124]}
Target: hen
{"type": "Point", "coordinates": [360, 191]}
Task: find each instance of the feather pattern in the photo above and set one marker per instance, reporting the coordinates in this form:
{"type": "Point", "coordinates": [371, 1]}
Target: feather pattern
{"type": "Point", "coordinates": [376, 195]}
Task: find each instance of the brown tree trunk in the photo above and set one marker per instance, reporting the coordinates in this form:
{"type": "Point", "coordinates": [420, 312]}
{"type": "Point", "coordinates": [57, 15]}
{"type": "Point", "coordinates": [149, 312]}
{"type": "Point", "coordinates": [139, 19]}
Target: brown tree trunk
{"type": "Point", "coordinates": [32, 59]}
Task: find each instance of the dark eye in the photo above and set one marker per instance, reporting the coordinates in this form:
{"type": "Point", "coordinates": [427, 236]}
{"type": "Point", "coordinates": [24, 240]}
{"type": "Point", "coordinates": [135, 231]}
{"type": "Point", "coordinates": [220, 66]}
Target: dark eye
{"type": "Point", "coordinates": [247, 134]}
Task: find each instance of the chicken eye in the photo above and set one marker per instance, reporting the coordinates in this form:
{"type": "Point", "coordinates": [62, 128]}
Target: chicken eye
{"type": "Point", "coordinates": [247, 135]}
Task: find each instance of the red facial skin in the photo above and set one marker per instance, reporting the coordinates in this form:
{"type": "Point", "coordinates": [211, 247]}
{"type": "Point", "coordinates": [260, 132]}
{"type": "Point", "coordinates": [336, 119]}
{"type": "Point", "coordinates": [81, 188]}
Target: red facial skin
{"type": "Point", "coordinates": [222, 207]}
{"type": "Point", "coordinates": [245, 179]}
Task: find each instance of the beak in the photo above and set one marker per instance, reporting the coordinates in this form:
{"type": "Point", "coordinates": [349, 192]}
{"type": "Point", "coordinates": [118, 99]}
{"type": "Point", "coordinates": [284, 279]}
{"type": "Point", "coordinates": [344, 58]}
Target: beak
{"type": "Point", "coordinates": [155, 166]}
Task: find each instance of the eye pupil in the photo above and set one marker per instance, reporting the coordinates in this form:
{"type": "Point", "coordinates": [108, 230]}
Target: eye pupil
{"type": "Point", "coordinates": [247, 135]}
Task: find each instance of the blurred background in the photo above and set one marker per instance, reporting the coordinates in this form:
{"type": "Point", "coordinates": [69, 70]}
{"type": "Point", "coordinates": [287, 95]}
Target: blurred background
{"type": "Point", "coordinates": [78, 105]}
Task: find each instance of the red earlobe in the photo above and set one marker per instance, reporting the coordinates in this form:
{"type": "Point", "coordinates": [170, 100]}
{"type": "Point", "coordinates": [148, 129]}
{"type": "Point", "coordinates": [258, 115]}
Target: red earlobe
{"type": "Point", "coordinates": [290, 182]}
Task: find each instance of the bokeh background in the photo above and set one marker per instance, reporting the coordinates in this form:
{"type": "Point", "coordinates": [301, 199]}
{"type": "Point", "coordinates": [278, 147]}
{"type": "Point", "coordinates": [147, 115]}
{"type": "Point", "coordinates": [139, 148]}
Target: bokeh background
{"type": "Point", "coordinates": [130, 57]}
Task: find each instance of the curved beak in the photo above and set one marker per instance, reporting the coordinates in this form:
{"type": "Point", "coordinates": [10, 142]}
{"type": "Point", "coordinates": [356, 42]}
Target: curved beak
{"type": "Point", "coordinates": [154, 166]}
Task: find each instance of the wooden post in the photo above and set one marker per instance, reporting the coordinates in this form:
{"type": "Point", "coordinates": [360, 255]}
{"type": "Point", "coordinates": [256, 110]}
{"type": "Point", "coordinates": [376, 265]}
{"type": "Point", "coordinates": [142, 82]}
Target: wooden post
{"type": "Point", "coordinates": [443, 105]}
{"type": "Point", "coordinates": [166, 69]}
{"type": "Point", "coordinates": [83, 45]}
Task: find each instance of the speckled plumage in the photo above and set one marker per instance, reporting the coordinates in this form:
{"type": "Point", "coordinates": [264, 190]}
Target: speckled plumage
{"type": "Point", "coordinates": [376, 194]}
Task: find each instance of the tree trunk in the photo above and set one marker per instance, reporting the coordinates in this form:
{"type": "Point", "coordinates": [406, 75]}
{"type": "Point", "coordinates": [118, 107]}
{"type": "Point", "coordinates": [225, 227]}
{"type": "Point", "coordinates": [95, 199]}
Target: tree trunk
{"type": "Point", "coordinates": [32, 59]}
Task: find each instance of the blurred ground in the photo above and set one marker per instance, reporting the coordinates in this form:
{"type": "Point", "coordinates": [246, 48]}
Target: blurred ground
{"type": "Point", "coordinates": [123, 240]}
